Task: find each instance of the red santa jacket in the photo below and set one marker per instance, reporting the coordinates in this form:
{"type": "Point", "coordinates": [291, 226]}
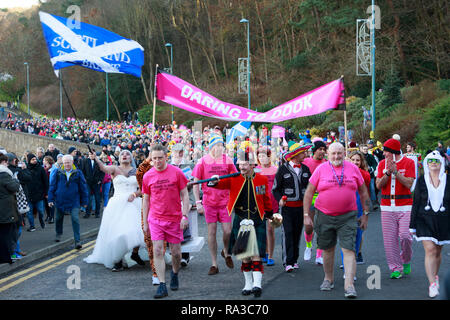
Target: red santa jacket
{"type": "Point", "coordinates": [260, 188]}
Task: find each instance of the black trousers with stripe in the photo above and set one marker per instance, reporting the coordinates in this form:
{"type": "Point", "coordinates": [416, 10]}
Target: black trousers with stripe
{"type": "Point", "coordinates": [291, 234]}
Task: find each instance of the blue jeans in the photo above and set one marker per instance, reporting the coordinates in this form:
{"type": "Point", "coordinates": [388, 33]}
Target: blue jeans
{"type": "Point", "coordinates": [105, 191]}
{"type": "Point", "coordinates": [94, 205]}
{"type": "Point", "coordinates": [39, 205]}
{"type": "Point", "coordinates": [373, 195]}
{"type": "Point", "coordinates": [359, 231]}
{"type": "Point", "coordinates": [59, 219]}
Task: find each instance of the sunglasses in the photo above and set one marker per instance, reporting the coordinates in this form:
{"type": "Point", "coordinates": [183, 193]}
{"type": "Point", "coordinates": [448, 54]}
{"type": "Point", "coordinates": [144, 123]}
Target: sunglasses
{"type": "Point", "coordinates": [433, 161]}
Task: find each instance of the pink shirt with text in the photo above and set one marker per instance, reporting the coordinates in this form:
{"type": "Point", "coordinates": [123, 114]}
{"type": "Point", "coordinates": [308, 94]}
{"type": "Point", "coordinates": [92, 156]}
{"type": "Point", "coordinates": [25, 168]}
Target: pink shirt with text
{"type": "Point", "coordinates": [335, 200]}
{"type": "Point", "coordinates": [208, 167]}
{"type": "Point", "coordinates": [164, 189]}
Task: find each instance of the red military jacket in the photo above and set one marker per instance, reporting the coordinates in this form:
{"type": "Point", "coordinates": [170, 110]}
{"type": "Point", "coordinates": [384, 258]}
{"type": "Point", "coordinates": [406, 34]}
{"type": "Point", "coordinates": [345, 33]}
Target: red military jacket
{"type": "Point", "coordinates": [260, 190]}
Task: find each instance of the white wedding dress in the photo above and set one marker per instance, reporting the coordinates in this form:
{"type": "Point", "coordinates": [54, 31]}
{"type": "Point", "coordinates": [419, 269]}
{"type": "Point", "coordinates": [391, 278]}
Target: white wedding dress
{"type": "Point", "coordinates": [120, 229]}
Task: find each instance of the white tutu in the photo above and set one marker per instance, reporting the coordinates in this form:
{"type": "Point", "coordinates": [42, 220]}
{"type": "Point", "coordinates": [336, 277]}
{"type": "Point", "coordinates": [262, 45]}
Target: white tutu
{"type": "Point", "coordinates": [120, 229]}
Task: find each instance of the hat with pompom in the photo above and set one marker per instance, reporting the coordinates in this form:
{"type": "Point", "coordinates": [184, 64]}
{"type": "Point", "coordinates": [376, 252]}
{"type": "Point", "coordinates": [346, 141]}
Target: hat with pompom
{"type": "Point", "coordinates": [392, 146]}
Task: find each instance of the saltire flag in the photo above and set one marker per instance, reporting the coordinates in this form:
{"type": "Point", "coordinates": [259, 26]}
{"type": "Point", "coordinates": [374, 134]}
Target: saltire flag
{"type": "Point", "coordinates": [177, 92]}
{"type": "Point", "coordinates": [238, 130]}
{"type": "Point", "coordinates": [89, 46]}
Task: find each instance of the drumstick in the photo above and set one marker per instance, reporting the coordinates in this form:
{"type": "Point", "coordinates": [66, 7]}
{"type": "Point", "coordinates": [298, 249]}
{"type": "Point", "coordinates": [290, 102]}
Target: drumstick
{"type": "Point", "coordinates": [213, 179]}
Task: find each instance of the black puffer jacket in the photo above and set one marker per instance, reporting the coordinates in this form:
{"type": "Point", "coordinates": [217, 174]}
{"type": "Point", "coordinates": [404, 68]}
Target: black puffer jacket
{"type": "Point", "coordinates": [38, 187]}
{"type": "Point", "coordinates": [8, 203]}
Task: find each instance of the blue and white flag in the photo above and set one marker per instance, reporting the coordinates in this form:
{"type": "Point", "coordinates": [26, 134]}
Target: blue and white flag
{"type": "Point", "coordinates": [239, 129]}
{"type": "Point", "coordinates": [90, 47]}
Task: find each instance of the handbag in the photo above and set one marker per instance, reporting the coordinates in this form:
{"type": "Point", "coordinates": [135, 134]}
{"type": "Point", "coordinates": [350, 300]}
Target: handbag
{"type": "Point", "coordinates": [22, 202]}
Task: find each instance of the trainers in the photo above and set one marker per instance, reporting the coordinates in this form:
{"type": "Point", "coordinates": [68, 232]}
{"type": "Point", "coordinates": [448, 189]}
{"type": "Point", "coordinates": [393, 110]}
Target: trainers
{"type": "Point", "coordinates": [173, 281]}
{"type": "Point", "coordinates": [117, 266]}
{"type": "Point", "coordinates": [31, 229]}
{"type": "Point", "coordinates": [436, 278]}
{"type": "Point", "coordinates": [135, 257]}
{"type": "Point", "coordinates": [161, 292]}
{"type": "Point", "coordinates": [307, 254]}
{"type": "Point", "coordinates": [296, 266]}
{"type": "Point", "coordinates": [350, 292]}
{"type": "Point", "coordinates": [319, 260]}
{"type": "Point", "coordinates": [289, 268]}
{"type": "Point", "coordinates": [155, 281]}
{"type": "Point", "coordinates": [265, 259]}
{"type": "Point", "coordinates": [359, 259]}
{"type": "Point", "coordinates": [396, 275]}
{"type": "Point", "coordinates": [16, 256]}
{"type": "Point", "coordinates": [433, 290]}
{"type": "Point", "coordinates": [407, 268]}
{"type": "Point", "coordinates": [184, 262]}
{"type": "Point", "coordinates": [326, 285]}
{"type": "Point", "coordinates": [270, 262]}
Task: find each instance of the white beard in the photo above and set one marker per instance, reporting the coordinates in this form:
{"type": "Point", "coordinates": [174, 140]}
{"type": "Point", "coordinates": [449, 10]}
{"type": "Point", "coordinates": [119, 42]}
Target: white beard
{"type": "Point", "coordinates": [337, 163]}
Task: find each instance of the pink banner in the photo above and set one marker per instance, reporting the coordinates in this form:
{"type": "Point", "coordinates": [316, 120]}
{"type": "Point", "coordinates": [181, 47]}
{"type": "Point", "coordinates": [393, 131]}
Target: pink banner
{"type": "Point", "coordinates": [184, 95]}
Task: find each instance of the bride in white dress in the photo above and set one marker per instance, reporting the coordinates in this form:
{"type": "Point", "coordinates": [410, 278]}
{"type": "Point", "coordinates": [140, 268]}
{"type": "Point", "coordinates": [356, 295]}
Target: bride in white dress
{"type": "Point", "coordinates": [120, 229]}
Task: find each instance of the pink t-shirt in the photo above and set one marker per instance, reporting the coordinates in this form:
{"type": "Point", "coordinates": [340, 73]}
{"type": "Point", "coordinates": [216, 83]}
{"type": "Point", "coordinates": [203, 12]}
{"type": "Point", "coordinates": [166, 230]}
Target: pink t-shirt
{"type": "Point", "coordinates": [164, 189]}
{"type": "Point", "coordinates": [206, 167]}
{"type": "Point", "coordinates": [335, 200]}
{"type": "Point", "coordinates": [312, 164]}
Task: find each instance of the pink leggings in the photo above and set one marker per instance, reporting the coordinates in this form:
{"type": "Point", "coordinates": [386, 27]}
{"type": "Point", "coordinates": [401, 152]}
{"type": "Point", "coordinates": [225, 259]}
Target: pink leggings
{"type": "Point", "coordinates": [395, 226]}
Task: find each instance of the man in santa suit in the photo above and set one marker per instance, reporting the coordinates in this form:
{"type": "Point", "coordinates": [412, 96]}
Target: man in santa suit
{"type": "Point", "coordinates": [396, 175]}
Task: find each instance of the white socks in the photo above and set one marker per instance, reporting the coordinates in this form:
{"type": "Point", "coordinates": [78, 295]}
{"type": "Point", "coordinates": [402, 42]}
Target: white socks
{"type": "Point", "coordinates": [248, 280]}
{"type": "Point", "coordinates": [257, 279]}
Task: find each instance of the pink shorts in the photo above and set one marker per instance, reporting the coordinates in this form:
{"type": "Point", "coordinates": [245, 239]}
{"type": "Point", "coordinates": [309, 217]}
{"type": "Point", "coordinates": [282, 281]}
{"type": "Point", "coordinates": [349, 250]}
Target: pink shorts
{"type": "Point", "coordinates": [165, 230]}
{"type": "Point", "coordinates": [216, 214]}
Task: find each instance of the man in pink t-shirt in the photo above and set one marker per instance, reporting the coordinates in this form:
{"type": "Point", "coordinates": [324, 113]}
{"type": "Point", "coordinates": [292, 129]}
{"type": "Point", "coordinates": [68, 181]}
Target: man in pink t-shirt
{"type": "Point", "coordinates": [165, 209]}
{"type": "Point", "coordinates": [336, 213]}
{"type": "Point", "coordinates": [214, 203]}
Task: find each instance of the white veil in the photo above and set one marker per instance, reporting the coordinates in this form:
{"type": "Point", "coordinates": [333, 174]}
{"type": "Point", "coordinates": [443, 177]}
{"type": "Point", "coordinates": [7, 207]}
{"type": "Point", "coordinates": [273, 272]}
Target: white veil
{"type": "Point", "coordinates": [132, 162]}
{"type": "Point", "coordinates": [435, 195]}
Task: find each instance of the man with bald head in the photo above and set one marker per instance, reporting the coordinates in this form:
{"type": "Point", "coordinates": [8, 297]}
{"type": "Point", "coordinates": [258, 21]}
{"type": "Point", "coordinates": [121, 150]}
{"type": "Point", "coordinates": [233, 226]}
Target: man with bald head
{"type": "Point", "coordinates": [336, 181]}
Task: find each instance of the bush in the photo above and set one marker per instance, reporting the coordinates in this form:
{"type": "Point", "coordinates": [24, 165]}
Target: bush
{"type": "Point", "coordinates": [435, 125]}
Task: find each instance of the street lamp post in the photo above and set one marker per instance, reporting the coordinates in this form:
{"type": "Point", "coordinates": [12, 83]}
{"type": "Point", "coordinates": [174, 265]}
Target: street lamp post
{"type": "Point", "coordinates": [248, 59]}
{"type": "Point", "coordinates": [28, 86]}
{"type": "Point", "coordinates": [171, 65]}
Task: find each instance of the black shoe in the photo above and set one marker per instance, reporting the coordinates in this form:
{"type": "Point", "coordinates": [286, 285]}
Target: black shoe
{"type": "Point", "coordinates": [78, 245]}
{"type": "Point", "coordinates": [257, 292]}
{"type": "Point", "coordinates": [97, 216]}
{"type": "Point", "coordinates": [51, 221]}
{"type": "Point", "coordinates": [86, 216]}
{"type": "Point", "coordinates": [42, 225]}
{"type": "Point", "coordinates": [31, 229]}
{"type": "Point", "coordinates": [161, 292]}
{"type": "Point", "coordinates": [137, 259]}
{"type": "Point", "coordinates": [246, 292]}
{"type": "Point", "coordinates": [117, 266]}
{"type": "Point", "coordinates": [173, 281]}
{"type": "Point", "coordinates": [184, 262]}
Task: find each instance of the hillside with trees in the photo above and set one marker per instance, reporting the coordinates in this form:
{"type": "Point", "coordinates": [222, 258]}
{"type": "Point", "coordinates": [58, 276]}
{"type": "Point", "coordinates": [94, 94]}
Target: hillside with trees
{"type": "Point", "coordinates": [296, 46]}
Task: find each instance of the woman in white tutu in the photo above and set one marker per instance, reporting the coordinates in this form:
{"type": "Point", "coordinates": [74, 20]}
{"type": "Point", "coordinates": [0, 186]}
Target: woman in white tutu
{"type": "Point", "coordinates": [120, 229]}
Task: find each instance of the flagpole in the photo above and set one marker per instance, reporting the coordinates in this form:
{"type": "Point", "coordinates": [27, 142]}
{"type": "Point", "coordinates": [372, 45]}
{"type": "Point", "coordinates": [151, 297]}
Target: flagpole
{"type": "Point", "coordinates": [60, 94]}
{"type": "Point", "coordinates": [107, 98]}
{"type": "Point", "coordinates": [345, 125]}
{"type": "Point", "coordinates": [68, 99]}
{"type": "Point", "coordinates": [154, 102]}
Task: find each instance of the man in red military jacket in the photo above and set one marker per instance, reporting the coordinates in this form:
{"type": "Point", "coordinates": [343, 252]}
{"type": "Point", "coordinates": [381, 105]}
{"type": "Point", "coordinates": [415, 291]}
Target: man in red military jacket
{"type": "Point", "coordinates": [250, 199]}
